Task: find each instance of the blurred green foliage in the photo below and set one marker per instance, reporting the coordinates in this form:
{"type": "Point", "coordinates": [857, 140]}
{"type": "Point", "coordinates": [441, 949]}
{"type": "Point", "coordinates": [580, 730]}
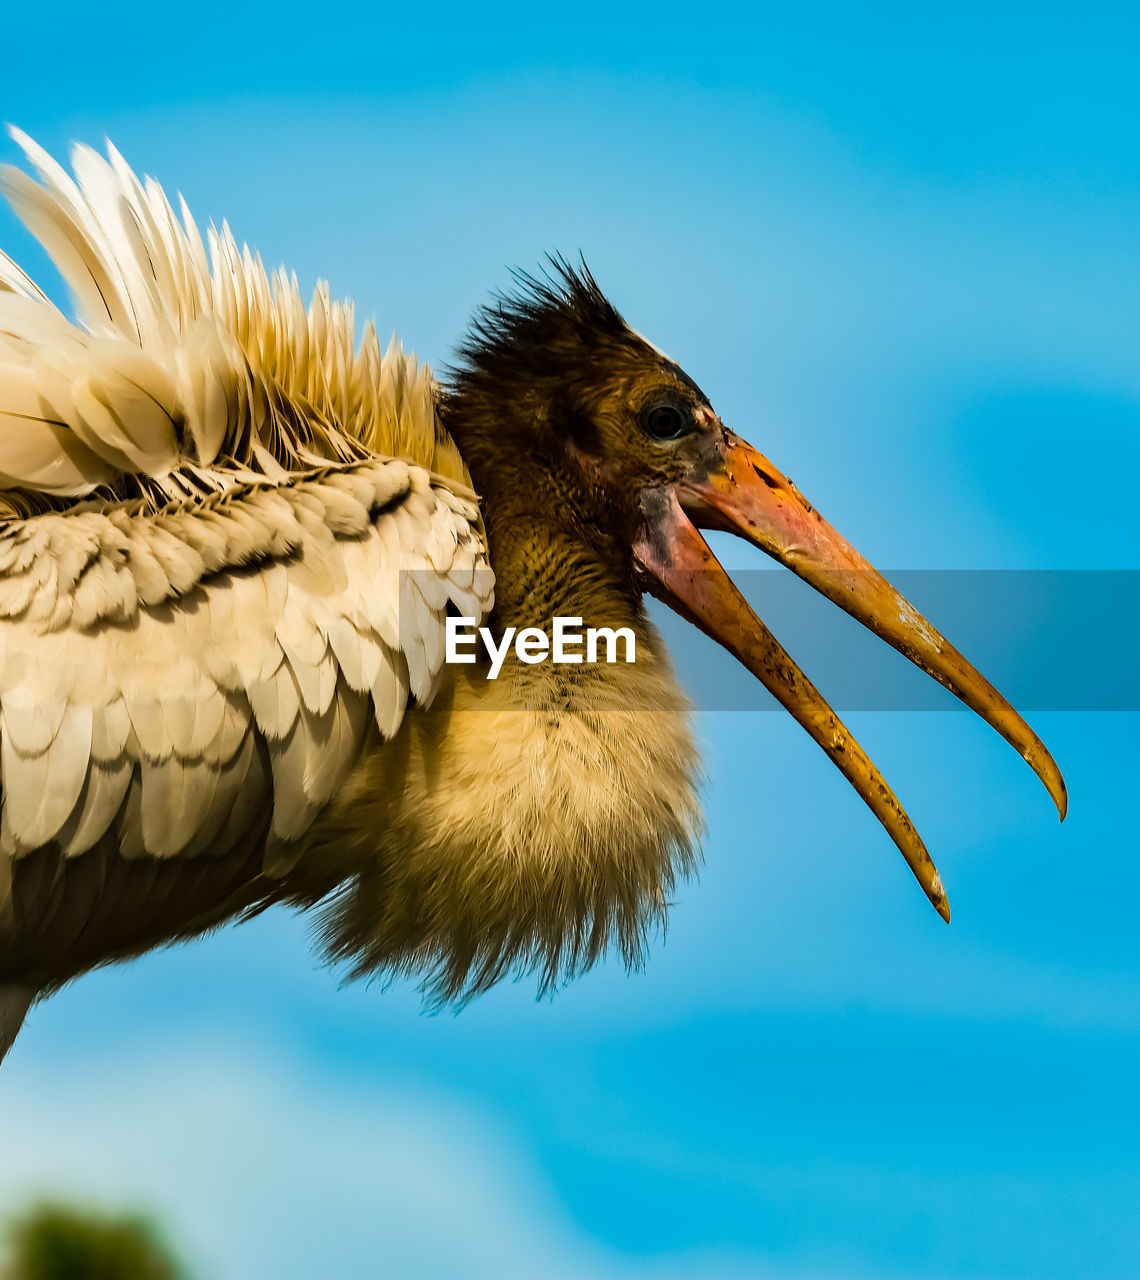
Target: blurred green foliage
{"type": "Point", "coordinates": [57, 1242]}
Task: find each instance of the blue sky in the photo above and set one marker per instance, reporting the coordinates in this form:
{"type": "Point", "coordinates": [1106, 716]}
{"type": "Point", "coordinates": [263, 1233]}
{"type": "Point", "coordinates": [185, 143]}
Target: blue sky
{"type": "Point", "coordinates": [899, 249]}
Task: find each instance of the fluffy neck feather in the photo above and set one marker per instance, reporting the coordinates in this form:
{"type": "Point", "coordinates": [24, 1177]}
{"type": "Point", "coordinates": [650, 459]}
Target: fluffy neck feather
{"type": "Point", "coordinates": [525, 823]}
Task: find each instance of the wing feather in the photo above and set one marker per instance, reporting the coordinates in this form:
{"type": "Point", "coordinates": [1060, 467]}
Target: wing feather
{"type": "Point", "coordinates": [186, 655]}
{"type": "Point", "coordinates": [390, 691]}
{"type": "Point", "coordinates": [243, 795]}
{"type": "Point", "coordinates": [104, 787]}
{"type": "Point", "coordinates": [332, 742]}
{"type": "Point", "coordinates": [228, 540]}
{"type": "Point", "coordinates": [275, 702]}
{"type": "Point", "coordinates": [47, 783]}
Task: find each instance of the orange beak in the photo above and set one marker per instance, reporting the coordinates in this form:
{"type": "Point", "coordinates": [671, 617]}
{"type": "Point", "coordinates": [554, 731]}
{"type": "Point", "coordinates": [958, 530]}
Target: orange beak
{"type": "Point", "coordinates": [744, 494]}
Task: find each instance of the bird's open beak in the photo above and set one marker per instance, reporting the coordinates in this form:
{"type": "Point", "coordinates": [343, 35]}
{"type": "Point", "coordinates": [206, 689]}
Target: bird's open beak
{"type": "Point", "coordinates": [743, 493]}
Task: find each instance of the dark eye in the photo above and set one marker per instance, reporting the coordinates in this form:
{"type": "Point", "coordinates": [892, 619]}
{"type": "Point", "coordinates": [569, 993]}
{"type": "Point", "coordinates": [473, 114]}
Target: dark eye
{"type": "Point", "coordinates": [666, 421]}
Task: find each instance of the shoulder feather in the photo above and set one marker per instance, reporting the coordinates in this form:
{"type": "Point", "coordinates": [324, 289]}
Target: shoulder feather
{"type": "Point", "coordinates": [191, 368]}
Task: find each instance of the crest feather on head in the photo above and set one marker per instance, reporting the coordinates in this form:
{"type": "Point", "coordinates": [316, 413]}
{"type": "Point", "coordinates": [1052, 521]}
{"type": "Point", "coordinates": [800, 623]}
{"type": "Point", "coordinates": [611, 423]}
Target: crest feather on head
{"type": "Point", "coordinates": [550, 323]}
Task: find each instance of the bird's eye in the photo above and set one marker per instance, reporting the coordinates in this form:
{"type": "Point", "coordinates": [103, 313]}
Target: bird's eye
{"type": "Point", "coordinates": [667, 421]}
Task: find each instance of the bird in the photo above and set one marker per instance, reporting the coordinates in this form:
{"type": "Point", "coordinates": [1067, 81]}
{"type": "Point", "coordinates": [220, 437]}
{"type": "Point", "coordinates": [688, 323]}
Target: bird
{"type": "Point", "coordinates": [234, 541]}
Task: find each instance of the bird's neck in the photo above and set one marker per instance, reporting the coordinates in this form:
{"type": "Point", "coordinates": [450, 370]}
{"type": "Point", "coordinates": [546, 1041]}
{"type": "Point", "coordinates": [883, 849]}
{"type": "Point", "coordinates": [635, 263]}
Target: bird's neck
{"type": "Point", "coordinates": [550, 555]}
{"type": "Point", "coordinates": [545, 569]}
{"type": "Point", "coordinates": [526, 822]}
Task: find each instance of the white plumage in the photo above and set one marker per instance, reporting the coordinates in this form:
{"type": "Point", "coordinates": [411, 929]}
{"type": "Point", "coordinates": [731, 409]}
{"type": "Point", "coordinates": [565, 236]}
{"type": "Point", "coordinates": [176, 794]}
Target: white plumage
{"type": "Point", "coordinates": [209, 501]}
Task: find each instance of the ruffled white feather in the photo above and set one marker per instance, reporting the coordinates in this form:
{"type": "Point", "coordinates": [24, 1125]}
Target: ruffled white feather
{"type": "Point", "coordinates": [190, 368]}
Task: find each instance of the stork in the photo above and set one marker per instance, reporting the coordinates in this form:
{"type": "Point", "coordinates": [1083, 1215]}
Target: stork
{"type": "Point", "coordinates": [230, 540]}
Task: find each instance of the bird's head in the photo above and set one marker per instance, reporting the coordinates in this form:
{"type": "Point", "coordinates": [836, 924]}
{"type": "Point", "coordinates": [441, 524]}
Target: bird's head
{"type": "Point", "coordinates": [610, 437]}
